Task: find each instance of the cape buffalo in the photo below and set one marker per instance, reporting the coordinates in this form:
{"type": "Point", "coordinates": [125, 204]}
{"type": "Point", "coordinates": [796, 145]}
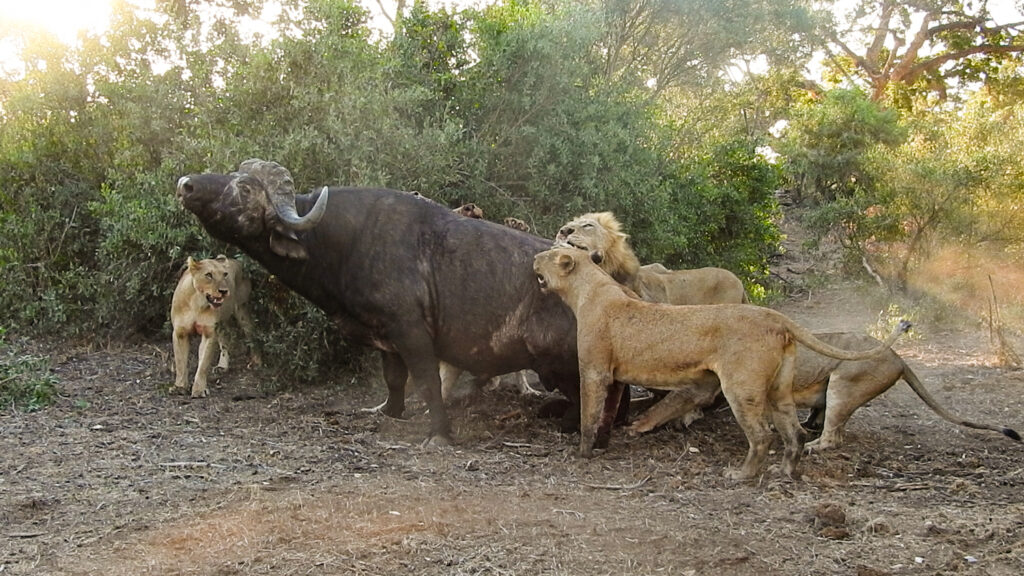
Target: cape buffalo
{"type": "Point", "coordinates": [410, 278]}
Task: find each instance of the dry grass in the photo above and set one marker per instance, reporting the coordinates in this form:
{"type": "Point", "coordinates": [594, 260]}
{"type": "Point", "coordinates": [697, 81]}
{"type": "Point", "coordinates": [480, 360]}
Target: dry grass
{"type": "Point", "coordinates": [120, 479]}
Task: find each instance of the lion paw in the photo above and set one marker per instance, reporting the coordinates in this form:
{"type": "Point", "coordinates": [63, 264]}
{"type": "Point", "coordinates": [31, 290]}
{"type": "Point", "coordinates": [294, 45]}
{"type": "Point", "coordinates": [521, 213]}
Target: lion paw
{"type": "Point", "coordinates": [637, 428]}
{"type": "Point", "coordinates": [737, 475]}
{"type": "Point", "coordinates": [199, 392]}
{"type": "Point", "coordinates": [817, 445]}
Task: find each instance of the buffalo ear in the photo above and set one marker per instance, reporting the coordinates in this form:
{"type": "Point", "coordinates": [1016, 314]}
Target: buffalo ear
{"type": "Point", "coordinates": [565, 263]}
{"type": "Point", "coordinates": [286, 243]}
{"type": "Point", "coordinates": [597, 256]}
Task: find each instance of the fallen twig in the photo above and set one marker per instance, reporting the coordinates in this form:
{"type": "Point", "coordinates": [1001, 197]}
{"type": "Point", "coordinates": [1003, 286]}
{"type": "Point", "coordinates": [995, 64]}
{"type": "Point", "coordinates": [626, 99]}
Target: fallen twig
{"type": "Point", "coordinates": [190, 465]}
{"type": "Point", "coordinates": [517, 445]}
{"type": "Point", "coordinates": [25, 534]}
{"type": "Point", "coordinates": [618, 486]}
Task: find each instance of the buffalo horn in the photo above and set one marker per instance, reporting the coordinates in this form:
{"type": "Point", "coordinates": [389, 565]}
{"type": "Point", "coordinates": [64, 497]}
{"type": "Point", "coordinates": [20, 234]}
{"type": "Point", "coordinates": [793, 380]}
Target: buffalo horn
{"type": "Point", "coordinates": [284, 205]}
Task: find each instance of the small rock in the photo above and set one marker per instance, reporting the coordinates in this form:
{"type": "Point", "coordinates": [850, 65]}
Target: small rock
{"type": "Point", "coordinates": [834, 533]}
{"type": "Point", "coordinates": [829, 514]}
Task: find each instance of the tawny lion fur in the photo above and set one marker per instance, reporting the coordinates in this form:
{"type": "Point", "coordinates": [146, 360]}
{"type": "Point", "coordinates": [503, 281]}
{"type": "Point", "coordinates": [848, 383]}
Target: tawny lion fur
{"type": "Point", "coordinates": [601, 232]}
{"type": "Point", "coordinates": [833, 389]}
{"type": "Point", "coordinates": [209, 292]}
{"type": "Point", "coordinates": [622, 340]}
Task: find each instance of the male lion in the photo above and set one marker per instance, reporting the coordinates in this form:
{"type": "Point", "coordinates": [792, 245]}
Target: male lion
{"type": "Point", "coordinates": [832, 389]}
{"type": "Point", "coordinates": [601, 233]}
{"type": "Point", "coordinates": [208, 293]}
{"type": "Point", "coordinates": [623, 340]}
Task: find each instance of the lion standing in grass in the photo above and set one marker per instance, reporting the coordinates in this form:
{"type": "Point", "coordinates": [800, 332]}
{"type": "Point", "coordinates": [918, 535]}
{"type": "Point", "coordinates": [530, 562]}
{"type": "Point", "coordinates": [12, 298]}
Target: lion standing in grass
{"type": "Point", "coordinates": [601, 232]}
{"type": "Point", "coordinates": [208, 293]}
{"type": "Point", "coordinates": [622, 340]}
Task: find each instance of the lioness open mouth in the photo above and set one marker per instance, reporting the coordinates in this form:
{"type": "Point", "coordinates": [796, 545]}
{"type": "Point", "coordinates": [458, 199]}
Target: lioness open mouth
{"type": "Point", "coordinates": [215, 301]}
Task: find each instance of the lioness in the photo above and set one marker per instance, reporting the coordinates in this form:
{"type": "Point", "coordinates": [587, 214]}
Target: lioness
{"type": "Point", "coordinates": [833, 389]}
{"type": "Point", "coordinates": [601, 233]}
{"type": "Point", "coordinates": [208, 293]}
{"type": "Point", "coordinates": [622, 340]}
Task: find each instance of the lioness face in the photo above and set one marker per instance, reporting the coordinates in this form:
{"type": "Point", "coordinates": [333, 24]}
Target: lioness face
{"type": "Point", "coordinates": [212, 279]}
{"type": "Point", "coordinates": [553, 268]}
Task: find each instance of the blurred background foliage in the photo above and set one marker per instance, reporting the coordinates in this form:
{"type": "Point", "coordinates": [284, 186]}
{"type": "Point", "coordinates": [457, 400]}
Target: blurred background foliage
{"type": "Point", "coordinates": [687, 118]}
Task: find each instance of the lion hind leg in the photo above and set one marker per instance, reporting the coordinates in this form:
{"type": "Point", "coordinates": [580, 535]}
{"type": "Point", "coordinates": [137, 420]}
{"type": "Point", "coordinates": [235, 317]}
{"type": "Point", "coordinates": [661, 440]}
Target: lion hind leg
{"type": "Point", "coordinates": [783, 412]}
{"type": "Point", "coordinates": [683, 403]}
{"type": "Point", "coordinates": [839, 406]}
{"type": "Point", "coordinates": [748, 406]}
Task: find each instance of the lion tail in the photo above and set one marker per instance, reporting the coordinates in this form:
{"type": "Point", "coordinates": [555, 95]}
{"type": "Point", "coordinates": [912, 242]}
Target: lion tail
{"type": "Point", "coordinates": [804, 336]}
{"type": "Point", "coordinates": [918, 387]}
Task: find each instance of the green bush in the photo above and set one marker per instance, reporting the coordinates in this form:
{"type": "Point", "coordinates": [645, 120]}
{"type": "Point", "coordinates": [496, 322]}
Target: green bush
{"type": "Point", "coordinates": [26, 382]}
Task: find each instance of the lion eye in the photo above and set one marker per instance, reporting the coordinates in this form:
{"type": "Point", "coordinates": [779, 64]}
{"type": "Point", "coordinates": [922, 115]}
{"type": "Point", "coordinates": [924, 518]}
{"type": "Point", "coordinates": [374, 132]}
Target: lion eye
{"type": "Point", "coordinates": [209, 276]}
{"type": "Point", "coordinates": [588, 226]}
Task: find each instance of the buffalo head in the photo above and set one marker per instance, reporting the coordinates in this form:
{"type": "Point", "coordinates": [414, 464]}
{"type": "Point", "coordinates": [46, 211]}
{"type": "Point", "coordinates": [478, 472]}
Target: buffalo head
{"type": "Point", "coordinates": [256, 201]}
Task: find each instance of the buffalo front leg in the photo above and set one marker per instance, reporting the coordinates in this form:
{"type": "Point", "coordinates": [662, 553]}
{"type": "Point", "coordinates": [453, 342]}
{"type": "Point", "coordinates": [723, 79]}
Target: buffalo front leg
{"type": "Point", "coordinates": [417, 352]}
{"type": "Point", "coordinates": [395, 374]}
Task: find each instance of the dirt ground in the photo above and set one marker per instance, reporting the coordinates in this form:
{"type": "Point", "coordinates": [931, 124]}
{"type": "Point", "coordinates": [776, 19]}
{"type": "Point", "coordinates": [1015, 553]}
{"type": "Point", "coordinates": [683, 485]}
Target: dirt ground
{"type": "Point", "coordinates": [118, 477]}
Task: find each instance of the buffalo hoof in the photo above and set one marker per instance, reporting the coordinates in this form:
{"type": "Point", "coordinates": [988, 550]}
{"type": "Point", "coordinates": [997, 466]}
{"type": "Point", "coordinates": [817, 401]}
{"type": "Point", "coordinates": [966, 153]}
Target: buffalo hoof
{"type": "Point", "coordinates": [554, 408]}
{"type": "Point", "coordinates": [570, 423]}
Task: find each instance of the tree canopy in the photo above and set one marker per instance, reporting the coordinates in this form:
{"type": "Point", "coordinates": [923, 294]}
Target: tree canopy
{"type": "Point", "coordinates": [662, 111]}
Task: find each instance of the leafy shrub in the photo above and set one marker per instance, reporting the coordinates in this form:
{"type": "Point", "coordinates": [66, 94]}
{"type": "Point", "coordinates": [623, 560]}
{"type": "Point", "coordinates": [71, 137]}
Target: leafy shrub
{"type": "Point", "coordinates": [26, 382]}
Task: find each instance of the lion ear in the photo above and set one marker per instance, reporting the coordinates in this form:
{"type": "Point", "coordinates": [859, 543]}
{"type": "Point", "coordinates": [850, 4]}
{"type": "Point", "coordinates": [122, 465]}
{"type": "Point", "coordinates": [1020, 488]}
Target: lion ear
{"type": "Point", "coordinates": [597, 256]}
{"type": "Point", "coordinates": [192, 264]}
{"type": "Point", "coordinates": [565, 263]}
{"type": "Point", "coordinates": [222, 258]}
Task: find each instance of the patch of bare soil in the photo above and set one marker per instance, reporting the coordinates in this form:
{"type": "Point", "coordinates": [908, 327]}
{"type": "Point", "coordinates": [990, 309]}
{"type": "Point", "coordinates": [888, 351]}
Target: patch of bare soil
{"type": "Point", "coordinates": [121, 478]}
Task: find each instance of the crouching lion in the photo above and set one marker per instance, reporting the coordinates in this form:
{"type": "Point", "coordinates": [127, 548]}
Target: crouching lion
{"type": "Point", "coordinates": [622, 340]}
{"type": "Point", "coordinates": [833, 389]}
{"type": "Point", "coordinates": [208, 293]}
{"type": "Point", "coordinates": [601, 233]}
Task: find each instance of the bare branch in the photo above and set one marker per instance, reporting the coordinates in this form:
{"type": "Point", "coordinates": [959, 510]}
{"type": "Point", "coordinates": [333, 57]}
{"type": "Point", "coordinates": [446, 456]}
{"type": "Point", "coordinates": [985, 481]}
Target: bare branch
{"type": "Point", "coordinates": [882, 32]}
{"type": "Point", "coordinates": [861, 62]}
{"type": "Point", "coordinates": [915, 71]}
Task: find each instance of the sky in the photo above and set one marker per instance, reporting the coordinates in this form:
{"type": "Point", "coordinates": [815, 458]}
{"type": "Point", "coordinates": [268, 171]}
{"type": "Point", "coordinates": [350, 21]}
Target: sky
{"type": "Point", "coordinates": [65, 18]}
